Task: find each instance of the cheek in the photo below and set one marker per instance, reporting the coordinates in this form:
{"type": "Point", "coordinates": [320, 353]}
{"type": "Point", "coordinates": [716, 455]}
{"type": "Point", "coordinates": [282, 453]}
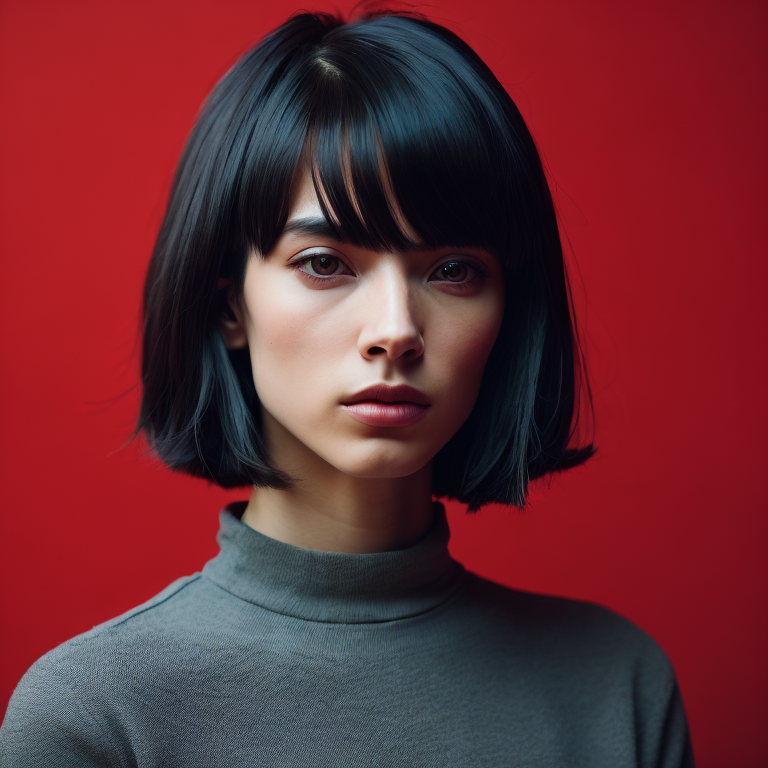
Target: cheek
{"type": "Point", "coordinates": [291, 345]}
{"type": "Point", "coordinates": [465, 348]}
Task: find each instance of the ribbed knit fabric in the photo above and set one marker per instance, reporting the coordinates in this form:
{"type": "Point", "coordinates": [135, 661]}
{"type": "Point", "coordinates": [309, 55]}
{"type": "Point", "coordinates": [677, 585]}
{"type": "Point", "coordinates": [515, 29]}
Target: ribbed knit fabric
{"type": "Point", "coordinates": [276, 655]}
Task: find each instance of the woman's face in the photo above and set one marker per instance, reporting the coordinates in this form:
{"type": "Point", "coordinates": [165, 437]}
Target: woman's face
{"type": "Point", "coordinates": [324, 320]}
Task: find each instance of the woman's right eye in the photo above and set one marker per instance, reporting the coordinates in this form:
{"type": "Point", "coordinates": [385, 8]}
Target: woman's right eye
{"type": "Point", "coordinates": [320, 267]}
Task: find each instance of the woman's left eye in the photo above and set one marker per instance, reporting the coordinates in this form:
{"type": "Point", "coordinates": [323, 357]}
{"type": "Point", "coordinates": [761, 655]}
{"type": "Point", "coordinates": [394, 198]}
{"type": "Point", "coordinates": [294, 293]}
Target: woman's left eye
{"type": "Point", "coordinates": [454, 271]}
{"type": "Point", "coordinates": [460, 273]}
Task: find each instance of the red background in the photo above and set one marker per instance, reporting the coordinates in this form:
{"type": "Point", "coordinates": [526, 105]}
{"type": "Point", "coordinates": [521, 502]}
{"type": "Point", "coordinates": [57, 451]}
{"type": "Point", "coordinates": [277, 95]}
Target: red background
{"type": "Point", "coordinates": [652, 121]}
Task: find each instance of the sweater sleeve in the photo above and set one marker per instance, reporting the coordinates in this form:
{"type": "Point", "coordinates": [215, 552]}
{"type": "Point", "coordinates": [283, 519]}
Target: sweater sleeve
{"type": "Point", "coordinates": [48, 724]}
{"type": "Point", "coordinates": [660, 719]}
{"type": "Point", "coordinates": [675, 749]}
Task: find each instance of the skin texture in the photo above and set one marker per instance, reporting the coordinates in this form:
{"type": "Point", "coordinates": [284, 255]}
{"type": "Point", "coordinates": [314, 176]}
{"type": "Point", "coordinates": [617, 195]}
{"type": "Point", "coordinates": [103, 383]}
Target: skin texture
{"type": "Point", "coordinates": [381, 317]}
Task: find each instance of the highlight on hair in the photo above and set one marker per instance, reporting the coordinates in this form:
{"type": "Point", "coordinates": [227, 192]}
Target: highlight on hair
{"type": "Point", "coordinates": [390, 105]}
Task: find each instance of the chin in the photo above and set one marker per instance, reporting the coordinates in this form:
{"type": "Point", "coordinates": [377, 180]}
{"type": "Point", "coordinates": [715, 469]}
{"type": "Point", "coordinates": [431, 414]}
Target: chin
{"type": "Point", "coordinates": [384, 465]}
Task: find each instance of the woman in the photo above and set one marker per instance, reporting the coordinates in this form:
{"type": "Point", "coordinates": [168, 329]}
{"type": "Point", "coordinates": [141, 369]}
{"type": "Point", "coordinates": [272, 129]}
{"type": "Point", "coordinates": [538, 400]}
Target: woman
{"type": "Point", "coordinates": [357, 302]}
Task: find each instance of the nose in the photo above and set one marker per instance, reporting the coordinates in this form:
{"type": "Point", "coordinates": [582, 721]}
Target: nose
{"type": "Point", "coordinates": [390, 324]}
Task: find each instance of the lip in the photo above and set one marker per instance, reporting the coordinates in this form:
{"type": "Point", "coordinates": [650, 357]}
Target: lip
{"type": "Point", "coordinates": [384, 393]}
{"type": "Point", "coordinates": [378, 414]}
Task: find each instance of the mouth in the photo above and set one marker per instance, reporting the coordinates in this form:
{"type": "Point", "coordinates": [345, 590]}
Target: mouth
{"type": "Point", "coordinates": [384, 405]}
{"type": "Point", "coordinates": [400, 394]}
{"type": "Point", "coordinates": [378, 413]}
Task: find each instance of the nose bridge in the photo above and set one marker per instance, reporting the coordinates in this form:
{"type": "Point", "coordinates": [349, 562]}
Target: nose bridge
{"type": "Point", "coordinates": [390, 313]}
{"type": "Point", "coordinates": [397, 295]}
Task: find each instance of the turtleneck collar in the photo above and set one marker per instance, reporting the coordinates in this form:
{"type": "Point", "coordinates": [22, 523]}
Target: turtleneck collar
{"type": "Point", "coordinates": [334, 586]}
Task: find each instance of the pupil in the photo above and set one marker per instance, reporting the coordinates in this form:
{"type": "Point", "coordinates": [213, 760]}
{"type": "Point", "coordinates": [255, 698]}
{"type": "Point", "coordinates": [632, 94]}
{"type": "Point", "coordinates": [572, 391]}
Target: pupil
{"type": "Point", "coordinates": [326, 263]}
{"type": "Point", "coordinates": [450, 271]}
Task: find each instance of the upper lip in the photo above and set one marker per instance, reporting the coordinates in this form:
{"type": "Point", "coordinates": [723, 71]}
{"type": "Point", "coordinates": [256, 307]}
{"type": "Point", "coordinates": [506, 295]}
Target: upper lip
{"type": "Point", "coordinates": [388, 394]}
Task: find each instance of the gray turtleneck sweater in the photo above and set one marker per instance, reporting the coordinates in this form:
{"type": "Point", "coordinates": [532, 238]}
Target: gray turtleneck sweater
{"type": "Point", "coordinates": [276, 655]}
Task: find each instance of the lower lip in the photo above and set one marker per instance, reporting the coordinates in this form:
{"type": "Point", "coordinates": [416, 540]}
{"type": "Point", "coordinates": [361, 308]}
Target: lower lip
{"type": "Point", "coordinates": [378, 414]}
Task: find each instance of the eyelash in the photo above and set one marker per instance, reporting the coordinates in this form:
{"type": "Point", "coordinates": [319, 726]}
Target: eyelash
{"type": "Point", "coordinates": [481, 272]}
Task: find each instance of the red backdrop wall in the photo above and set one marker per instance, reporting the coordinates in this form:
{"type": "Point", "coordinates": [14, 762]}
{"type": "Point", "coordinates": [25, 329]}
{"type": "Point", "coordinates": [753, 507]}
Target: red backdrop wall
{"type": "Point", "coordinates": [652, 119]}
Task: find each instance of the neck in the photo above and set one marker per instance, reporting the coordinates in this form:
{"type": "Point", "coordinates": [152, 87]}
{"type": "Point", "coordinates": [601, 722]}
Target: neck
{"type": "Point", "coordinates": [340, 513]}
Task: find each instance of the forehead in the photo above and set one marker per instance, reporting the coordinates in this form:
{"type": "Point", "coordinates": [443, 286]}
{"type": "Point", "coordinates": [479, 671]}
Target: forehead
{"type": "Point", "coordinates": [304, 202]}
{"type": "Point", "coordinates": [308, 189]}
{"type": "Point", "coordinates": [307, 218]}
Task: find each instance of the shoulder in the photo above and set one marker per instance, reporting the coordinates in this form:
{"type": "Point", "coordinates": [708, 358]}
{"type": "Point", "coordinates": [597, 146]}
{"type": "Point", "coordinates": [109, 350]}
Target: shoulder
{"type": "Point", "coordinates": [588, 657]}
{"type": "Point", "coordinates": [555, 621]}
{"type": "Point", "coordinates": [578, 643]}
{"type": "Point", "coordinates": [65, 706]}
{"type": "Point", "coordinates": [121, 632]}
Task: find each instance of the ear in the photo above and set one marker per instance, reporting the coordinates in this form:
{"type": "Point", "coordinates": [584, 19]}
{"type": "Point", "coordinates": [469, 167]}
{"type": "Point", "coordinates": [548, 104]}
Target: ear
{"type": "Point", "coordinates": [230, 321]}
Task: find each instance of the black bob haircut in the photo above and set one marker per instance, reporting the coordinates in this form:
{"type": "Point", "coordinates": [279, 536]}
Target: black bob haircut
{"type": "Point", "coordinates": [463, 167]}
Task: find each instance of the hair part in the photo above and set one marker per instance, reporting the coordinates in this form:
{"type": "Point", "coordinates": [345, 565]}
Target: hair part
{"type": "Point", "coordinates": [410, 140]}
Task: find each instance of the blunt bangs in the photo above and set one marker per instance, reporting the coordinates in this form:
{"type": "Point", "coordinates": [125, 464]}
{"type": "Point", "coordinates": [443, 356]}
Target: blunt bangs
{"type": "Point", "coordinates": [411, 142]}
{"type": "Point", "coordinates": [386, 108]}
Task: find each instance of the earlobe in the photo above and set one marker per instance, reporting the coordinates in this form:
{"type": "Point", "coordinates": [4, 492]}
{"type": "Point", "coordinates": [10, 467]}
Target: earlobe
{"type": "Point", "coordinates": [231, 321]}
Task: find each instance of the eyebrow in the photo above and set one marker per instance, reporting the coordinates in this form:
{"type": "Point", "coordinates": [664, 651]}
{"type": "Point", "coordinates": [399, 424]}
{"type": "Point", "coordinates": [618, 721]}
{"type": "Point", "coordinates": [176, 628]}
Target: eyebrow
{"type": "Point", "coordinates": [316, 226]}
